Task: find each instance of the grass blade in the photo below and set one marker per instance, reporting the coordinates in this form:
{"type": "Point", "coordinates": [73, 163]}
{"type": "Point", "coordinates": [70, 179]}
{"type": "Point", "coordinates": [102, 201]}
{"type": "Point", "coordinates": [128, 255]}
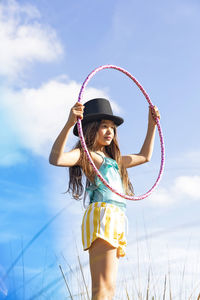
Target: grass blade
{"type": "Point", "coordinates": [81, 269]}
{"type": "Point", "coordinates": [66, 282]}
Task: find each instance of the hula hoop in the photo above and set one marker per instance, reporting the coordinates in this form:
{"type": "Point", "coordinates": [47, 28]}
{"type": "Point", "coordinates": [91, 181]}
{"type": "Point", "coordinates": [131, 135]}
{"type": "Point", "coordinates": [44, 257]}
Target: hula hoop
{"type": "Point", "coordinates": [80, 132]}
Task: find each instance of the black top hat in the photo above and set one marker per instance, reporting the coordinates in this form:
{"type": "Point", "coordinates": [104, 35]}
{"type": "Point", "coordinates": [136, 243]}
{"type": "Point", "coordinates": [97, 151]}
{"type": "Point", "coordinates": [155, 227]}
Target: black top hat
{"type": "Point", "coordinates": [98, 109]}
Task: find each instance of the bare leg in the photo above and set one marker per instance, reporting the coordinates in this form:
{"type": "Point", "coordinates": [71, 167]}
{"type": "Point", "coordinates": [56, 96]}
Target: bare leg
{"type": "Point", "coordinates": [103, 268]}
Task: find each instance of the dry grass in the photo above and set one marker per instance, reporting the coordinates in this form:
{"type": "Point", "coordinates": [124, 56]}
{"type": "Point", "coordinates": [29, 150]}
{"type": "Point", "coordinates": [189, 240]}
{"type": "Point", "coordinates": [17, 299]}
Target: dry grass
{"type": "Point", "coordinates": [153, 289]}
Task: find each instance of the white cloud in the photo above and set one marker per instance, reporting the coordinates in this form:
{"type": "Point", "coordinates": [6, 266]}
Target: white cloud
{"type": "Point", "coordinates": [12, 158]}
{"type": "Point", "coordinates": [188, 186]}
{"type": "Point", "coordinates": [161, 197]}
{"type": "Point", "coordinates": [186, 160]}
{"type": "Point", "coordinates": [182, 188]}
{"type": "Point", "coordinates": [37, 115]}
{"type": "Point", "coordinates": [23, 39]}
{"type": "Point", "coordinates": [193, 156]}
{"type": "Point", "coordinates": [34, 115]}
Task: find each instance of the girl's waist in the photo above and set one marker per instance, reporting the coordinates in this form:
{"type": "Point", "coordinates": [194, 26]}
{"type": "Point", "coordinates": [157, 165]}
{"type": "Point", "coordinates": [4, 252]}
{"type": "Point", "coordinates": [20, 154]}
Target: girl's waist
{"type": "Point", "coordinates": [121, 205]}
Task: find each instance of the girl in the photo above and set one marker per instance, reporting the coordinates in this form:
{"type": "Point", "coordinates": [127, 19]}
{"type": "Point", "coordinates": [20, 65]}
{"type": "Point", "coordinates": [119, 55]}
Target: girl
{"type": "Point", "coordinates": [104, 221]}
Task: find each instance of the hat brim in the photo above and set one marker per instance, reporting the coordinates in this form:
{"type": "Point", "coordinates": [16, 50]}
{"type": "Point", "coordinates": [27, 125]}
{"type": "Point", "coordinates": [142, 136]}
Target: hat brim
{"type": "Point", "coordinates": [98, 117]}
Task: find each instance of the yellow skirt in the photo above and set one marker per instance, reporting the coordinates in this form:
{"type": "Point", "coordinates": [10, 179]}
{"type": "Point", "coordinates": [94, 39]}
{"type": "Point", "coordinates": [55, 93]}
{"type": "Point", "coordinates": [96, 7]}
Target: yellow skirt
{"type": "Point", "coordinates": [105, 221]}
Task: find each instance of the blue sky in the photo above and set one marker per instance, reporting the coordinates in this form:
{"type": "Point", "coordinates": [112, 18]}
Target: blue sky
{"type": "Point", "coordinates": [47, 49]}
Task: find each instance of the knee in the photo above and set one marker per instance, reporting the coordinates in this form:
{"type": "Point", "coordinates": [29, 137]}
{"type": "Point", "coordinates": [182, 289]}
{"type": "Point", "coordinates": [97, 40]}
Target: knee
{"type": "Point", "coordinates": [103, 292]}
{"type": "Point", "coordinates": [100, 294]}
{"type": "Point", "coordinates": [111, 291]}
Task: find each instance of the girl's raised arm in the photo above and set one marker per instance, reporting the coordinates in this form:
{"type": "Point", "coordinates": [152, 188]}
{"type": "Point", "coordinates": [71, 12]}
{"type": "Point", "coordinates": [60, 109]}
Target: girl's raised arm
{"type": "Point", "coordinates": [57, 156]}
{"type": "Point", "coordinates": [146, 151]}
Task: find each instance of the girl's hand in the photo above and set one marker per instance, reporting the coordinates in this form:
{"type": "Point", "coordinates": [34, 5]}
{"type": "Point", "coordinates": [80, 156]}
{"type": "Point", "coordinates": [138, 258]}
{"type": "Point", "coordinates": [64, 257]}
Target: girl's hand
{"type": "Point", "coordinates": [153, 114]}
{"type": "Point", "coordinates": [75, 113]}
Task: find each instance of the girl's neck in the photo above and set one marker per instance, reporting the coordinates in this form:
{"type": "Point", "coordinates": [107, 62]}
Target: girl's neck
{"type": "Point", "coordinates": [100, 149]}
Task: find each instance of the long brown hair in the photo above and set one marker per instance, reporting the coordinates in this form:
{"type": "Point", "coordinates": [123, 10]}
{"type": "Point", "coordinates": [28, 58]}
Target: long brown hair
{"type": "Point", "coordinates": [76, 173]}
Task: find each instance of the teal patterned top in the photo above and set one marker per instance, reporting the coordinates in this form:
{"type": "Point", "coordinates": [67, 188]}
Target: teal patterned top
{"type": "Point", "coordinates": [98, 192]}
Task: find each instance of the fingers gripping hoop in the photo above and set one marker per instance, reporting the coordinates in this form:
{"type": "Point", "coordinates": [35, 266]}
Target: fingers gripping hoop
{"type": "Point", "coordinates": [80, 132]}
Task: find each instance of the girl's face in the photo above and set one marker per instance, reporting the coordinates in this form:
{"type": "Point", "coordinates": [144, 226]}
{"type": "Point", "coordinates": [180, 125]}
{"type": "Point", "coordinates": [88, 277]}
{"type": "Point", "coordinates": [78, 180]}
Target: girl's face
{"type": "Point", "coordinates": [105, 133]}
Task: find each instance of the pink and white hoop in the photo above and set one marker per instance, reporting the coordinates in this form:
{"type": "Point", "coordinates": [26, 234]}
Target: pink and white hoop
{"type": "Point", "coordinates": [80, 132]}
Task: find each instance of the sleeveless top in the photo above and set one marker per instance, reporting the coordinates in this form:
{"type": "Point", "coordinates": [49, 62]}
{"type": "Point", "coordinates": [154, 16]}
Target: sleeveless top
{"type": "Point", "coordinates": [98, 192]}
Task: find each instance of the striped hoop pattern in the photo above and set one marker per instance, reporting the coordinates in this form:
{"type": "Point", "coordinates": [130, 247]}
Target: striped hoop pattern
{"type": "Point", "coordinates": [80, 132]}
